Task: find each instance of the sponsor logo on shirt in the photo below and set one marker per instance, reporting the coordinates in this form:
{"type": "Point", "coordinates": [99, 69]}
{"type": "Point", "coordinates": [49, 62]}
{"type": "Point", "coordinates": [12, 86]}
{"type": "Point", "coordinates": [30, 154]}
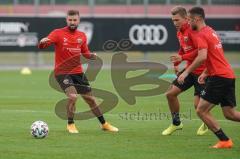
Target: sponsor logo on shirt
{"type": "Point", "coordinates": [187, 48]}
{"type": "Point", "coordinates": [64, 41]}
{"type": "Point", "coordinates": [74, 50]}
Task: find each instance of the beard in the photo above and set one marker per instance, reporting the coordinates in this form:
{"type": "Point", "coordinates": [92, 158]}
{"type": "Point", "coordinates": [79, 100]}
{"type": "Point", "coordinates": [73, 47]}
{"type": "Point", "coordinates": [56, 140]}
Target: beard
{"type": "Point", "coordinates": [72, 27]}
{"type": "Point", "coordinates": [194, 27]}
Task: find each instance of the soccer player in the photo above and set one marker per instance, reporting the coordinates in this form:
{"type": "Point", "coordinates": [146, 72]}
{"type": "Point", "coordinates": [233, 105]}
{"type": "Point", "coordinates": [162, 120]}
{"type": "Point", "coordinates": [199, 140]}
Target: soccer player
{"type": "Point", "coordinates": [220, 85]}
{"type": "Point", "coordinates": [187, 52]}
{"type": "Point", "coordinates": [70, 44]}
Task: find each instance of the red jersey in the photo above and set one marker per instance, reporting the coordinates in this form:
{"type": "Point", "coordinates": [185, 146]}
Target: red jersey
{"type": "Point", "coordinates": [188, 48]}
{"type": "Point", "coordinates": [69, 46]}
{"type": "Point", "coordinates": [216, 63]}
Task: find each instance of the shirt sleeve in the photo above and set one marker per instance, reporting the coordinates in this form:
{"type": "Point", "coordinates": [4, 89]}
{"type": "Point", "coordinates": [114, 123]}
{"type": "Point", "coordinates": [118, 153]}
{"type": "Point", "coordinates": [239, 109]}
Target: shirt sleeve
{"type": "Point", "coordinates": [53, 36]}
{"type": "Point", "coordinates": [201, 42]}
{"type": "Point", "coordinates": [84, 49]}
{"type": "Point", "coordinates": [53, 39]}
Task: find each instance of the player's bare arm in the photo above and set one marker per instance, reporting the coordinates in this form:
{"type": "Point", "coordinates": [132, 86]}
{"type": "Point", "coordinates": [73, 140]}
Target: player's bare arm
{"type": "Point", "coordinates": [202, 77]}
{"type": "Point", "coordinates": [176, 58]}
{"type": "Point", "coordinates": [93, 56]}
{"type": "Point", "coordinates": [44, 40]}
{"type": "Point", "coordinates": [202, 56]}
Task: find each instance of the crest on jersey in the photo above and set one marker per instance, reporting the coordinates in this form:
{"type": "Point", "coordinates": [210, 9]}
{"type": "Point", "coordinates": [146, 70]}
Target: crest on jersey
{"type": "Point", "coordinates": [79, 41]}
{"type": "Point", "coordinates": [185, 38]}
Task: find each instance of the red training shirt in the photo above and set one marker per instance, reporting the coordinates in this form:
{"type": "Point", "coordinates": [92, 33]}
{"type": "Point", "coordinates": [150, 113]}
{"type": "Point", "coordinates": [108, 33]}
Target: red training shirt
{"type": "Point", "coordinates": [188, 48]}
{"type": "Point", "coordinates": [69, 46]}
{"type": "Point", "coordinates": [216, 63]}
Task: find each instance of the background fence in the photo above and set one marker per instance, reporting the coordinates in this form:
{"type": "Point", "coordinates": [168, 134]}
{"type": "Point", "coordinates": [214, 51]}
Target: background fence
{"type": "Point", "coordinates": [145, 23]}
{"type": "Point", "coordinates": [113, 7]}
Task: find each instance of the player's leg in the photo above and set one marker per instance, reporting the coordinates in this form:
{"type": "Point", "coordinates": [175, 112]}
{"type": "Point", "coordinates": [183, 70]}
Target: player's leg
{"type": "Point", "coordinates": [231, 113]}
{"type": "Point", "coordinates": [212, 95]}
{"type": "Point", "coordinates": [203, 127]}
{"type": "Point", "coordinates": [83, 88]}
{"type": "Point", "coordinates": [196, 101]}
{"type": "Point", "coordinates": [71, 108]}
{"type": "Point", "coordinates": [198, 88]}
{"type": "Point", "coordinates": [90, 100]}
{"type": "Point", "coordinates": [65, 82]}
{"type": "Point", "coordinates": [203, 111]}
{"type": "Point", "coordinates": [228, 101]}
{"type": "Point", "coordinates": [173, 103]}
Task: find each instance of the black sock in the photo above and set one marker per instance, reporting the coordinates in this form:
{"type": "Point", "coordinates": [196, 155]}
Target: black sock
{"type": "Point", "coordinates": [101, 119]}
{"type": "Point", "coordinates": [221, 136]}
{"type": "Point", "coordinates": [70, 121]}
{"type": "Point", "coordinates": [176, 119]}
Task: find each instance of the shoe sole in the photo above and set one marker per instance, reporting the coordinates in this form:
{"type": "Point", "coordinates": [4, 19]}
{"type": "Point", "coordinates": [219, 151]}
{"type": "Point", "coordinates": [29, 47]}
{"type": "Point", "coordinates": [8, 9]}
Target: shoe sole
{"type": "Point", "coordinates": [172, 132]}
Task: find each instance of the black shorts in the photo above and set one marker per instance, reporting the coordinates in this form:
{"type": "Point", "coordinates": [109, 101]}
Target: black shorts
{"type": "Point", "coordinates": [220, 90]}
{"type": "Point", "coordinates": [79, 81]}
{"type": "Point", "coordinates": [190, 80]}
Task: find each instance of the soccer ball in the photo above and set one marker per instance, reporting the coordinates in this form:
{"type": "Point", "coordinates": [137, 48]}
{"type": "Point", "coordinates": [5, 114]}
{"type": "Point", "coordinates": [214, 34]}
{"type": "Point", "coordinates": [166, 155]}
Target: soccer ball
{"type": "Point", "coordinates": [39, 129]}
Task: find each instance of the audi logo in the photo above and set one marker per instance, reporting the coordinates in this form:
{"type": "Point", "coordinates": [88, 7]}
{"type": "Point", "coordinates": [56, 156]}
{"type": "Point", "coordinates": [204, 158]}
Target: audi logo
{"type": "Point", "coordinates": [148, 34]}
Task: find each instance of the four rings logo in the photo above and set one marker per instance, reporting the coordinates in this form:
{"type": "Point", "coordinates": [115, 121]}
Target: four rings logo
{"type": "Point", "coordinates": [148, 34]}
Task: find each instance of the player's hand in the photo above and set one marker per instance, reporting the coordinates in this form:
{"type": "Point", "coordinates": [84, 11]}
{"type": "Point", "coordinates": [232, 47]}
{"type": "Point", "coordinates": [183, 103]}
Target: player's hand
{"type": "Point", "coordinates": [182, 77]}
{"type": "Point", "coordinates": [175, 58]}
{"type": "Point", "coordinates": [202, 78]}
{"type": "Point", "coordinates": [44, 40]}
{"type": "Point", "coordinates": [43, 43]}
{"type": "Point", "coordinates": [93, 56]}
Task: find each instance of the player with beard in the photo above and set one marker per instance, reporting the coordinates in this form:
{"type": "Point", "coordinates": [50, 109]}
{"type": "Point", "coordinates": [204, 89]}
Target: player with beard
{"type": "Point", "coordinates": [187, 52]}
{"type": "Point", "coordinates": [70, 44]}
{"type": "Point", "coordinates": [220, 85]}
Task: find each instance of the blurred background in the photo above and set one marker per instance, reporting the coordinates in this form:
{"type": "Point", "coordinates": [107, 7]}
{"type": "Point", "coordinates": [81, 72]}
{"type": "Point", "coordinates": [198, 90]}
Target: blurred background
{"type": "Point", "coordinates": [144, 31]}
{"type": "Point", "coordinates": [141, 28]}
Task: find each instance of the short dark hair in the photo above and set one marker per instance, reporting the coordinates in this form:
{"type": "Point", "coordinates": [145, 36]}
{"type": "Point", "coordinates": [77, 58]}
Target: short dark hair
{"type": "Point", "coordinates": [73, 12]}
{"type": "Point", "coordinates": [179, 10]}
{"type": "Point", "coordinates": [197, 11]}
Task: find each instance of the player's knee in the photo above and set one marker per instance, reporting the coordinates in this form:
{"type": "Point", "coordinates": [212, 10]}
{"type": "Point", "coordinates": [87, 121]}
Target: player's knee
{"type": "Point", "coordinates": [72, 97]}
{"type": "Point", "coordinates": [228, 115]}
{"type": "Point", "coordinates": [92, 101]}
{"type": "Point", "coordinates": [199, 111]}
{"type": "Point", "coordinates": [170, 95]}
